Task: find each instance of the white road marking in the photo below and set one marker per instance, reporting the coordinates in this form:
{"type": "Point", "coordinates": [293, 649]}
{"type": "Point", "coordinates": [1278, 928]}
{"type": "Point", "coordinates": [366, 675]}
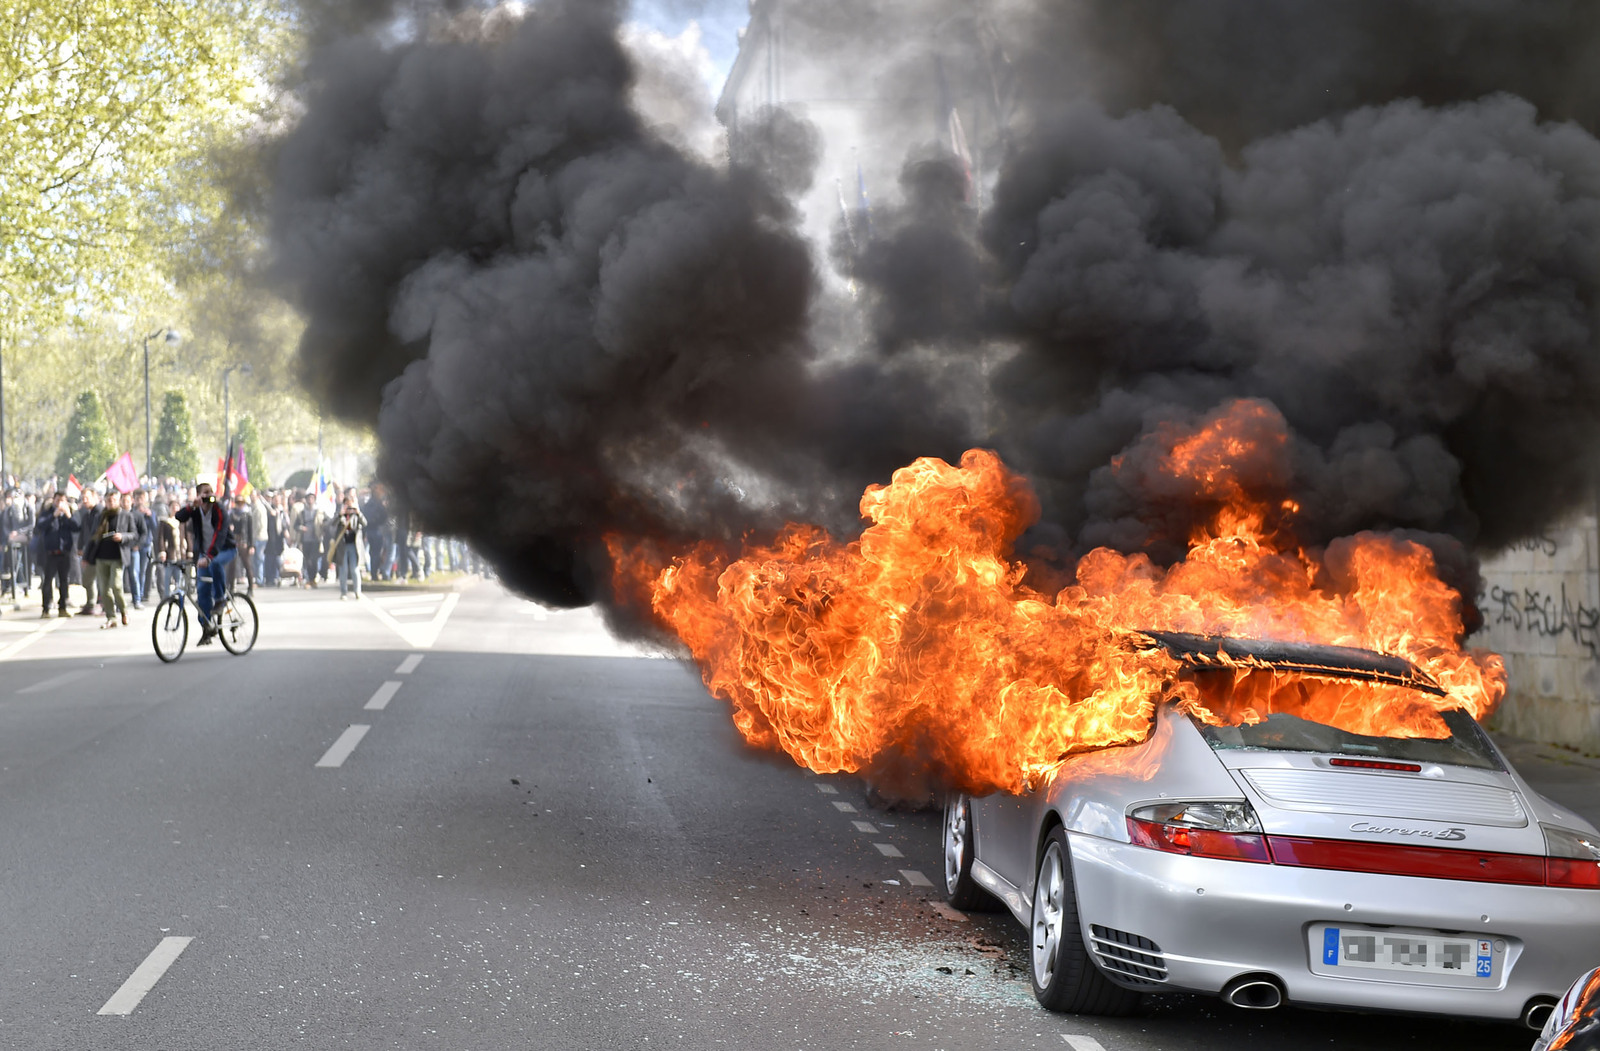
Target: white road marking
{"type": "Point", "coordinates": [843, 808]}
{"type": "Point", "coordinates": [865, 826]}
{"type": "Point", "coordinates": [393, 604]}
{"type": "Point", "coordinates": [827, 790]}
{"type": "Point", "coordinates": [341, 749]}
{"type": "Point", "coordinates": [915, 878]}
{"type": "Point", "coordinates": [947, 912]}
{"type": "Point", "coordinates": [409, 665]}
{"type": "Point", "coordinates": [381, 699]}
{"type": "Point", "coordinates": [55, 680]}
{"type": "Point", "coordinates": [145, 976]}
{"type": "Point", "coordinates": [1082, 1043]}
{"type": "Point", "coordinates": [30, 638]}
{"type": "Point", "coordinates": [889, 850]}
{"type": "Point", "coordinates": [417, 636]}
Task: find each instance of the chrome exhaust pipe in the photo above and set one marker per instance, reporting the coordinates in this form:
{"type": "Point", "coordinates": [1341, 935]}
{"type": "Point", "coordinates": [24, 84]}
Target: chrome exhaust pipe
{"type": "Point", "coordinates": [1255, 992]}
{"type": "Point", "coordinates": [1537, 1013]}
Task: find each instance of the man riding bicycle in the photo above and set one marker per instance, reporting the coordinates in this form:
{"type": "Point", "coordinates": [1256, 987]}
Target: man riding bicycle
{"type": "Point", "coordinates": [211, 540]}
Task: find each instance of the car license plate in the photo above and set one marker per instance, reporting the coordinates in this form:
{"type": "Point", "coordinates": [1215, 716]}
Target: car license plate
{"type": "Point", "coordinates": [1357, 948]}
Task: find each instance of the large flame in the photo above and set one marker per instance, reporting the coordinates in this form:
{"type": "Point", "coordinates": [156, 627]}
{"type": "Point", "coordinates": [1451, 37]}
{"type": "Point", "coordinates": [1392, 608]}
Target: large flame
{"type": "Point", "coordinates": [924, 638]}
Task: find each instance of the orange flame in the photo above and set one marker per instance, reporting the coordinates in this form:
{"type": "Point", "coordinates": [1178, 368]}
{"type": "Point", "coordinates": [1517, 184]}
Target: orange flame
{"type": "Point", "coordinates": [923, 638]}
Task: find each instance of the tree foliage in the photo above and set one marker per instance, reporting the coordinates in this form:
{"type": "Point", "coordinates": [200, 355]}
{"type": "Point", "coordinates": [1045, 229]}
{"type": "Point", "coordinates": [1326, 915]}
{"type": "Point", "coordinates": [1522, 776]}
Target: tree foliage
{"type": "Point", "coordinates": [248, 437]}
{"type": "Point", "coordinates": [86, 448]}
{"type": "Point", "coordinates": [174, 454]}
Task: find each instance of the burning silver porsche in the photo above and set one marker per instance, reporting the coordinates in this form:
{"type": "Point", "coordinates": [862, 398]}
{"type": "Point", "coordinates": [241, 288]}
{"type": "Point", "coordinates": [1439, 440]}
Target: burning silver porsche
{"type": "Point", "coordinates": [1283, 860]}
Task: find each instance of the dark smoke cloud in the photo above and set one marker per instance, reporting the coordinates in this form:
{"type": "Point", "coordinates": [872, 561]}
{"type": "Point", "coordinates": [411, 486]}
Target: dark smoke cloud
{"type": "Point", "coordinates": [1376, 220]}
{"type": "Point", "coordinates": [560, 323]}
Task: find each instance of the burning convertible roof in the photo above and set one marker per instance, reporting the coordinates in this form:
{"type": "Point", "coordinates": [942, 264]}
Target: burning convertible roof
{"type": "Point", "coordinates": [1338, 662]}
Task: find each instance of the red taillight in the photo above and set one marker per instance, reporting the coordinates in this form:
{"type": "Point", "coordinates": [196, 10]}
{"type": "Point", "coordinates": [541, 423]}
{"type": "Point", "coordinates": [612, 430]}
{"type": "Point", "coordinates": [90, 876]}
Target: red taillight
{"type": "Point", "coordinates": [1199, 842]}
{"type": "Point", "coordinates": [1572, 872]}
{"type": "Point", "coordinates": [1376, 764]}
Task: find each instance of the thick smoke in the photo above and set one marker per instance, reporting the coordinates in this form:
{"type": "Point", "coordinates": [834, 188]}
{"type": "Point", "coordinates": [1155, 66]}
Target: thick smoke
{"type": "Point", "coordinates": [1378, 221]}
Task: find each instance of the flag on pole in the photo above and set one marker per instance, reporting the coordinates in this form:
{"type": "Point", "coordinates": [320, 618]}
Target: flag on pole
{"type": "Point", "coordinates": [241, 476]}
{"type": "Point", "coordinates": [74, 487]}
{"type": "Point", "coordinates": [322, 489]}
{"type": "Point", "coordinates": [123, 474]}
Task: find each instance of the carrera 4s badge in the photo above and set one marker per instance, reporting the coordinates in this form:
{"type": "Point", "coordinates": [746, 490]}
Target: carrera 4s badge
{"type": "Point", "coordinates": [1448, 835]}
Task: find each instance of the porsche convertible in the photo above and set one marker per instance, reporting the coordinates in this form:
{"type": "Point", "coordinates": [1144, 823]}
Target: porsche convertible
{"type": "Point", "coordinates": [1286, 860]}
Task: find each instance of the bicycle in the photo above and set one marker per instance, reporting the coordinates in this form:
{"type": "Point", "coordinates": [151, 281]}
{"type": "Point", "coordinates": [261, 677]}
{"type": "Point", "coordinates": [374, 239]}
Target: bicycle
{"type": "Point", "coordinates": [234, 616]}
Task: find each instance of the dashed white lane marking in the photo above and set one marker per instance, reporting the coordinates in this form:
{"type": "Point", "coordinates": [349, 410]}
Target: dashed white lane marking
{"type": "Point", "coordinates": [1082, 1043]}
{"type": "Point", "coordinates": [827, 790]}
{"type": "Point", "coordinates": [341, 749]}
{"type": "Point", "coordinates": [843, 807]}
{"type": "Point", "coordinates": [865, 826]}
{"type": "Point", "coordinates": [381, 699]}
{"type": "Point", "coordinates": [915, 878]}
{"type": "Point", "coordinates": [145, 976]}
{"type": "Point", "coordinates": [409, 665]}
{"type": "Point", "coordinates": [29, 639]}
{"type": "Point", "coordinates": [55, 680]}
{"type": "Point", "coordinates": [889, 850]}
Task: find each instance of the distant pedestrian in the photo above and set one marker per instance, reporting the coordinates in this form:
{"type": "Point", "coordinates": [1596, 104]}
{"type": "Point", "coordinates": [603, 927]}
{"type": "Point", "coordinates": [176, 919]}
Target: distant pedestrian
{"type": "Point", "coordinates": [57, 533]}
{"type": "Point", "coordinates": [83, 565]}
{"type": "Point", "coordinates": [243, 521]}
{"type": "Point", "coordinates": [351, 526]}
{"type": "Point", "coordinates": [115, 539]}
{"type": "Point", "coordinates": [169, 553]}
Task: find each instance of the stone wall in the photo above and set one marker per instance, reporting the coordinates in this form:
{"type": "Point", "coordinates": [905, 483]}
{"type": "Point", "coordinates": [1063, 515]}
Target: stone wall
{"type": "Point", "coordinates": [1541, 610]}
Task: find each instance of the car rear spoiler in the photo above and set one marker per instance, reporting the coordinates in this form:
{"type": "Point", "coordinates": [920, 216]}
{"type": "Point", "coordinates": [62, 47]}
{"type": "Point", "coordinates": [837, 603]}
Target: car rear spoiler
{"type": "Point", "coordinates": [1337, 662]}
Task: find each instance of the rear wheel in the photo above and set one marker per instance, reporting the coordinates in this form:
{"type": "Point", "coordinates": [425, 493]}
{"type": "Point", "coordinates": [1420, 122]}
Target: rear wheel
{"type": "Point", "coordinates": [1064, 976]}
{"type": "Point", "coordinates": [169, 629]}
{"type": "Point", "coordinates": [961, 890]}
{"type": "Point", "coordinates": [237, 625]}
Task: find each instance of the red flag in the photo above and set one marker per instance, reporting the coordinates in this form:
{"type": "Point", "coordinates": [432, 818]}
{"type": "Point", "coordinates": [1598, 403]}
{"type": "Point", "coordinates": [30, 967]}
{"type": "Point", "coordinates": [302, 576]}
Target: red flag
{"type": "Point", "coordinates": [123, 474]}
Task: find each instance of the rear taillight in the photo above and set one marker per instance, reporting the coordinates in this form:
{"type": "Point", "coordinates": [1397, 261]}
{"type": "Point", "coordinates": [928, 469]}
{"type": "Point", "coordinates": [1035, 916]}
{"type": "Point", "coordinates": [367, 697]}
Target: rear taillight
{"type": "Point", "coordinates": [1574, 858]}
{"type": "Point", "coordinates": [1228, 831]}
{"type": "Point", "coordinates": [1376, 764]}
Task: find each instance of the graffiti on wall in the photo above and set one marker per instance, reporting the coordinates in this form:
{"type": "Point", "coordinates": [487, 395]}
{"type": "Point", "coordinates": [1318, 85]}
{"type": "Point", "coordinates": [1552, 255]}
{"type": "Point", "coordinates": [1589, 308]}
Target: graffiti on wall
{"type": "Point", "coordinates": [1546, 615]}
{"type": "Point", "coordinates": [1544, 545]}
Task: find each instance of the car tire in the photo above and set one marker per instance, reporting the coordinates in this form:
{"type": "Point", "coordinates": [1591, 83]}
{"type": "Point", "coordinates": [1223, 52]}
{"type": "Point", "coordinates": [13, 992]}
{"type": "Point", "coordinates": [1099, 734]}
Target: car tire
{"type": "Point", "coordinates": [1064, 975]}
{"type": "Point", "coordinates": [960, 889]}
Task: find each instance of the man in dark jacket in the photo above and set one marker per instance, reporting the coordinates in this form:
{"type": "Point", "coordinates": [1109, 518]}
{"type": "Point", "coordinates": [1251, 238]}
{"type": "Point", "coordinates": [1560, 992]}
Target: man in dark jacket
{"type": "Point", "coordinates": [115, 540]}
{"type": "Point", "coordinates": [16, 531]}
{"type": "Point", "coordinates": [211, 542]}
{"type": "Point", "coordinates": [243, 521]}
{"type": "Point", "coordinates": [57, 532]}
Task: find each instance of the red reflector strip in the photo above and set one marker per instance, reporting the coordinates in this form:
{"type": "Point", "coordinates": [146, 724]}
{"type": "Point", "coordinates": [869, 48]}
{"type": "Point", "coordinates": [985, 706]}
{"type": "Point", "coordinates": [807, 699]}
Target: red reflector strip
{"type": "Point", "coordinates": [1394, 859]}
{"type": "Point", "coordinates": [1376, 764]}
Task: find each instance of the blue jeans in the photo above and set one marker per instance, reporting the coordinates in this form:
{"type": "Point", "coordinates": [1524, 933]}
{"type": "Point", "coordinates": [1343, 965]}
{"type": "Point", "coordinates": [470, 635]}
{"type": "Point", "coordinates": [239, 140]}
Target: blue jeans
{"type": "Point", "coordinates": [211, 584]}
{"type": "Point", "coordinates": [349, 569]}
{"type": "Point", "coordinates": [134, 577]}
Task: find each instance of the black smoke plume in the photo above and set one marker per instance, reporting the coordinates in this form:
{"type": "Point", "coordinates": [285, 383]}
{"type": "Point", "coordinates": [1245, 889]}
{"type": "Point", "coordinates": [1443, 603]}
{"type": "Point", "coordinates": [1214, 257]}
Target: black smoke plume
{"type": "Point", "coordinates": [1379, 220]}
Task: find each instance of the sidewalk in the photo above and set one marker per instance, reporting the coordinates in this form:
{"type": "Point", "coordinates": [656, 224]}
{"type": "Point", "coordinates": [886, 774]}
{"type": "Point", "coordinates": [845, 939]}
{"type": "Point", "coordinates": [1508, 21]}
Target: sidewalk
{"type": "Point", "coordinates": [1571, 779]}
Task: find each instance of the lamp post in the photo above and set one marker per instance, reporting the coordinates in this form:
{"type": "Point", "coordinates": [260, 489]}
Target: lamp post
{"type": "Point", "coordinates": [173, 338]}
{"type": "Point", "coordinates": [227, 425]}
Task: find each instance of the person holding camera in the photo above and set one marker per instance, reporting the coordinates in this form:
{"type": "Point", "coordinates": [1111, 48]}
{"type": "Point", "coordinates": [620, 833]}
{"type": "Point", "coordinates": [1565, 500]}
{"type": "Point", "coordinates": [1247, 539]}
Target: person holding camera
{"type": "Point", "coordinates": [350, 533]}
{"type": "Point", "coordinates": [211, 540]}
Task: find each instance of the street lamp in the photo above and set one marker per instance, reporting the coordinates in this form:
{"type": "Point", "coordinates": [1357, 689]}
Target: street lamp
{"type": "Point", "coordinates": [173, 338]}
{"type": "Point", "coordinates": [227, 426]}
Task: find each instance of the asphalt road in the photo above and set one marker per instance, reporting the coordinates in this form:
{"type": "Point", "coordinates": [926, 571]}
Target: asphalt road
{"type": "Point", "coordinates": [543, 839]}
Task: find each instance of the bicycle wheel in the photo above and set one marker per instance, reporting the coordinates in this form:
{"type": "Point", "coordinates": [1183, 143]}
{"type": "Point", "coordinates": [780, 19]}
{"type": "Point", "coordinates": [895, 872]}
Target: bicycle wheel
{"type": "Point", "coordinates": [169, 629]}
{"type": "Point", "coordinates": [237, 624]}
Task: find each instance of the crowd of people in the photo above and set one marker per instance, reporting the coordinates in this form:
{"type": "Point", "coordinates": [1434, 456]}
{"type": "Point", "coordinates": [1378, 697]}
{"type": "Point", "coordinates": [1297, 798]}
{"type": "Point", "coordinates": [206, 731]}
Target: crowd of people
{"type": "Point", "coordinates": [131, 549]}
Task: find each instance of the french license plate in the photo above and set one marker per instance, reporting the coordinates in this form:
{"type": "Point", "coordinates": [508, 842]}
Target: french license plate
{"type": "Point", "coordinates": [1399, 951]}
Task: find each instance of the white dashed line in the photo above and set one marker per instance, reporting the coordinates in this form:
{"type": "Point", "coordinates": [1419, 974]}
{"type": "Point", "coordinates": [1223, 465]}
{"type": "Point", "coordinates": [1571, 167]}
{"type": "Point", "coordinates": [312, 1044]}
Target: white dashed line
{"type": "Point", "coordinates": [409, 665]}
{"type": "Point", "coordinates": [381, 699]}
{"type": "Point", "coordinates": [29, 639]}
{"type": "Point", "coordinates": [915, 878]}
{"type": "Point", "coordinates": [843, 808]}
{"type": "Point", "coordinates": [1082, 1043]}
{"type": "Point", "coordinates": [866, 826]}
{"type": "Point", "coordinates": [827, 790]}
{"type": "Point", "coordinates": [889, 850]}
{"type": "Point", "coordinates": [336, 755]}
{"type": "Point", "coordinates": [145, 976]}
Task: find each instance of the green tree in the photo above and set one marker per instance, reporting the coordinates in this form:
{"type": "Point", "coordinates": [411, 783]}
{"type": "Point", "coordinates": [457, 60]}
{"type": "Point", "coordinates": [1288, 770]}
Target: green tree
{"type": "Point", "coordinates": [249, 439]}
{"type": "Point", "coordinates": [174, 454]}
{"type": "Point", "coordinates": [86, 450]}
